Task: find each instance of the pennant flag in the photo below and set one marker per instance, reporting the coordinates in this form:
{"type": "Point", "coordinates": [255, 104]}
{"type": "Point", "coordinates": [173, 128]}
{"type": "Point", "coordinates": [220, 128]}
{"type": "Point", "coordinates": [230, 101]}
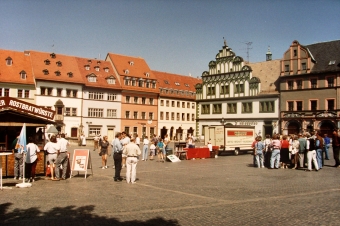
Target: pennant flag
{"type": "Point", "coordinates": [21, 144]}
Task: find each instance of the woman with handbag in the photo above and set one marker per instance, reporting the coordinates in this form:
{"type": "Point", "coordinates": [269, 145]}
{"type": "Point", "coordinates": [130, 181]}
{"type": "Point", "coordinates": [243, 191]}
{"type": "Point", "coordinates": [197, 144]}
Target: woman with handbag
{"type": "Point", "coordinates": [104, 146]}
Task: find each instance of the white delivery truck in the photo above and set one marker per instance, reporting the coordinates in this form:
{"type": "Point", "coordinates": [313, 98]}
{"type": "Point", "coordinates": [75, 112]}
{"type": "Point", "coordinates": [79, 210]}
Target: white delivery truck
{"type": "Point", "coordinates": [230, 138]}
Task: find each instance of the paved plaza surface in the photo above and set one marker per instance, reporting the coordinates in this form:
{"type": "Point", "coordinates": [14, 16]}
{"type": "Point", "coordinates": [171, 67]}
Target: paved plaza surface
{"type": "Point", "coordinates": [223, 191]}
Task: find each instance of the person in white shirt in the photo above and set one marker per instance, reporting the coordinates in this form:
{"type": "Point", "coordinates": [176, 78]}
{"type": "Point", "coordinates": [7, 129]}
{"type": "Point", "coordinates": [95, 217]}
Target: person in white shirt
{"type": "Point", "coordinates": [62, 159]}
{"type": "Point", "coordinates": [132, 151]}
{"type": "Point", "coordinates": [145, 148]}
{"type": "Point", "coordinates": [124, 141]}
{"type": "Point", "coordinates": [51, 149]}
{"type": "Point", "coordinates": [31, 159]}
{"type": "Point", "coordinates": [96, 142]}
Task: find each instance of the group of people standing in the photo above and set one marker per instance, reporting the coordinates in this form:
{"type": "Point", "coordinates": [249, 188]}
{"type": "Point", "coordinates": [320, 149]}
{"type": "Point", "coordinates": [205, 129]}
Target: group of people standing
{"type": "Point", "coordinates": [292, 151]}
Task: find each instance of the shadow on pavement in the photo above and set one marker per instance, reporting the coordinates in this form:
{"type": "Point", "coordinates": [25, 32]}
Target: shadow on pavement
{"type": "Point", "coordinates": [69, 215]}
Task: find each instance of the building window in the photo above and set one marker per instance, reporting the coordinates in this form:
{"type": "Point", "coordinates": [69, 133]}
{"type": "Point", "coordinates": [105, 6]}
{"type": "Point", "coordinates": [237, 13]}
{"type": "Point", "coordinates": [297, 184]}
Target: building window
{"type": "Point", "coordinates": [178, 104]}
{"type": "Point", "coordinates": [111, 97]}
{"type": "Point", "coordinates": [299, 84]}
{"type": "Point", "coordinates": [92, 78]}
{"type": "Point", "coordinates": [143, 115]}
{"type": "Point", "coordinates": [135, 114]}
{"type": "Point", "coordinates": [266, 106]}
{"type": "Point", "coordinates": [247, 107]}
{"type": "Point", "coordinates": [295, 52]}
{"type": "Point", "coordinates": [147, 84]}
{"type": "Point", "coordinates": [126, 82]}
{"type": "Point", "coordinates": [45, 71]}
{"type": "Point", "coordinates": [112, 113]}
{"type": "Point", "coordinates": [290, 105]}
{"type": "Point", "coordinates": [172, 116]}
{"type": "Point", "coordinates": [57, 73]}
{"type": "Point", "coordinates": [167, 103]}
{"type": "Point", "coordinates": [59, 92]}
{"type": "Point", "coordinates": [95, 112]}
{"type": "Point", "coordinates": [193, 105]}
{"type": "Point", "coordinates": [299, 105]}
{"type": "Point", "coordinates": [143, 100]}
{"type": "Point", "coordinates": [303, 65]}
{"type": "Point", "coordinates": [151, 101]}
{"type": "Point", "coordinates": [211, 90]}
{"type": "Point", "coordinates": [133, 82]}
{"type": "Point", "coordinates": [224, 89]}
{"type": "Point", "coordinates": [19, 93]}
{"type": "Point", "coordinates": [135, 100]}
{"type": "Point", "coordinates": [178, 117]}
{"type": "Point", "coordinates": [313, 105]}
{"type": "Point", "coordinates": [188, 105]}
{"type": "Point", "coordinates": [27, 94]}
{"type": "Point", "coordinates": [68, 111]}
{"type": "Point", "coordinates": [162, 102]}
{"type": "Point", "coordinates": [239, 88]}
{"type": "Point", "coordinates": [167, 115]}
{"type": "Point", "coordinates": [150, 115]}
{"type": "Point", "coordinates": [94, 130]}
{"type": "Point", "coordinates": [127, 99]}
{"type": "Point", "coordinates": [96, 96]}
{"type": "Point", "coordinates": [173, 104]}
{"type": "Point", "coordinates": [140, 83]}
{"type": "Point", "coordinates": [161, 115]}
{"type": "Point", "coordinates": [49, 91]}
{"type": "Point", "coordinates": [290, 85]}
{"type": "Point", "coordinates": [9, 61]}
{"type": "Point", "coordinates": [192, 117]}
{"type": "Point", "coordinates": [127, 129]}
{"type": "Point", "coordinates": [74, 111]}
{"type": "Point", "coordinates": [217, 108]}
{"type": "Point", "coordinates": [47, 62]}
{"type": "Point", "coordinates": [286, 68]}
{"type": "Point", "coordinates": [183, 104]}
{"type": "Point", "coordinates": [330, 105]}
{"type": "Point", "coordinates": [23, 75]}
{"type": "Point", "coordinates": [183, 116]}
{"type": "Point", "coordinates": [70, 74]}
{"type": "Point", "coordinates": [231, 108]}
{"type": "Point", "coordinates": [59, 64]}
{"type": "Point", "coordinates": [205, 109]}
{"type": "Point", "coordinates": [96, 68]}
{"type": "Point", "coordinates": [127, 114]}
{"type": "Point", "coordinates": [330, 81]}
{"type": "Point", "coordinates": [87, 67]}
{"type": "Point", "coordinates": [111, 80]}
{"type": "Point", "coordinates": [313, 83]}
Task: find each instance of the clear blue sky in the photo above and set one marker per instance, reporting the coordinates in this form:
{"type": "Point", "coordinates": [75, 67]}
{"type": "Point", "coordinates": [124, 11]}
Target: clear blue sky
{"type": "Point", "coordinates": [176, 36]}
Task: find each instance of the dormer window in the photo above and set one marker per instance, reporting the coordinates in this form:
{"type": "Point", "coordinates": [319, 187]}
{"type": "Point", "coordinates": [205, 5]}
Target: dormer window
{"type": "Point", "coordinates": [166, 81]}
{"type": "Point", "coordinates": [92, 78]}
{"type": "Point", "coordinates": [52, 55]}
{"type": "Point", "coordinates": [59, 64]}
{"type": "Point", "coordinates": [126, 72]}
{"type": "Point", "coordinates": [147, 75]}
{"type": "Point", "coordinates": [47, 62]}
{"type": "Point", "coordinates": [111, 80]}
{"type": "Point", "coordinates": [89, 61]}
{"type": "Point", "coordinates": [9, 61]}
{"type": "Point", "coordinates": [23, 74]}
{"type": "Point", "coordinates": [87, 67]}
{"type": "Point", "coordinates": [187, 85]}
{"type": "Point", "coordinates": [57, 73]}
{"type": "Point", "coordinates": [96, 68]}
{"type": "Point", "coordinates": [70, 74]}
{"type": "Point", "coordinates": [131, 63]}
{"type": "Point", "coordinates": [45, 71]}
{"type": "Point", "coordinates": [177, 84]}
{"type": "Point", "coordinates": [106, 69]}
{"type": "Point", "coordinates": [98, 62]}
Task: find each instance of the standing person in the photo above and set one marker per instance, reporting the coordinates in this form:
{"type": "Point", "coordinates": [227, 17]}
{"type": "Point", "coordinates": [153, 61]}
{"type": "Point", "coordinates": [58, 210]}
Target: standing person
{"type": "Point", "coordinates": [124, 141]}
{"type": "Point", "coordinates": [160, 153]}
{"type": "Point", "coordinates": [284, 152]}
{"type": "Point", "coordinates": [83, 140]}
{"type": "Point", "coordinates": [295, 150]}
{"type": "Point", "coordinates": [190, 142]}
{"type": "Point", "coordinates": [311, 153]}
{"type": "Point", "coordinates": [327, 143]}
{"type": "Point", "coordinates": [18, 159]}
{"type": "Point", "coordinates": [31, 159]}
{"type": "Point", "coordinates": [275, 158]}
{"type": "Point", "coordinates": [62, 159]}
{"type": "Point", "coordinates": [145, 148]}
{"type": "Point", "coordinates": [259, 147]}
{"type": "Point", "coordinates": [117, 156]}
{"type": "Point", "coordinates": [104, 146]}
{"type": "Point", "coordinates": [267, 150]}
{"type": "Point", "coordinates": [132, 151]}
{"type": "Point", "coordinates": [152, 151]}
{"type": "Point", "coordinates": [137, 140]}
{"type": "Point", "coordinates": [96, 142]}
{"type": "Point", "coordinates": [336, 147]}
{"type": "Point", "coordinates": [319, 143]}
{"type": "Point", "coordinates": [166, 141]}
{"type": "Point", "coordinates": [52, 148]}
{"type": "Point", "coordinates": [302, 150]}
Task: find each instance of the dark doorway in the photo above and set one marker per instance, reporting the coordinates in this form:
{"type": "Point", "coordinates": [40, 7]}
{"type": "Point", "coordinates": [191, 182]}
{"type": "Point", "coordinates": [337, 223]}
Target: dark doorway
{"type": "Point", "coordinates": [294, 128]}
{"type": "Point", "coordinates": [327, 127]}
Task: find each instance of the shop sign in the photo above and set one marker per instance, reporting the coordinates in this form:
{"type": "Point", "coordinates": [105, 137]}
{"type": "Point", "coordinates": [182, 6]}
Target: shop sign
{"type": "Point", "coordinates": [247, 123]}
{"type": "Point", "coordinates": [13, 103]}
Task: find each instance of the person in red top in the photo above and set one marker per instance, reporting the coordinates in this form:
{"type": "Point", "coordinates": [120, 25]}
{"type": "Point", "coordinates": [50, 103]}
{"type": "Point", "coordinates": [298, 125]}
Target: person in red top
{"type": "Point", "coordinates": [284, 152]}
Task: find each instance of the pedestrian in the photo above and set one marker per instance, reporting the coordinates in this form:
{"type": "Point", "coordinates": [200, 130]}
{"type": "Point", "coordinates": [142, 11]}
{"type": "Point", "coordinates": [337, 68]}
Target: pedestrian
{"type": "Point", "coordinates": [311, 153]}
{"type": "Point", "coordinates": [51, 149]}
{"type": "Point", "coordinates": [295, 151]}
{"type": "Point", "coordinates": [160, 151]}
{"type": "Point", "coordinates": [319, 143]}
{"type": "Point", "coordinates": [284, 152]}
{"type": "Point", "coordinates": [267, 151]}
{"type": "Point", "coordinates": [327, 143]}
{"type": "Point", "coordinates": [18, 159]}
{"type": "Point", "coordinates": [259, 147]}
{"type": "Point", "coordinates": [336, 147]}
{"type": "Point", "coordinates": [145, 148]}
{"type": "Point", "coordinates": [275, 158]}
{"type": "Point", "coordinates": [31, 159]}
{"type": "Point", "coordinates": [82, 140]}
{"type": "Point", "coordinates": [124, 141]}
{"type": "Point", "coordinates": [302, 151]}
{"type": "Point", "coordinates": [132, 151]}
{"type": "Point", "coordinates": [117, 156]}
{"type": "Point", "coordinates": [62, 159]}
{"type": "Point", "coordinates": [96, 142]}
{"type": "Point", "coordinates": [152, 150]}
{"type": "Point", "coordinates": [104, 151]}
{"type": "Point", "coordinates": [137, 140]}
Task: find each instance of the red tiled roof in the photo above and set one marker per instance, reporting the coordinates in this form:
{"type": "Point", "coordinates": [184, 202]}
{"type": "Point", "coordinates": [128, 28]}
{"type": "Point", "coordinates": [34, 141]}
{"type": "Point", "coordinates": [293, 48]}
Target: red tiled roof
{"type": "Point", "coordinates": [101, 74]}
{"type": "Point", "coordinates": [20, 62]}
{"type": "Point", "coordinates": [68, 64]}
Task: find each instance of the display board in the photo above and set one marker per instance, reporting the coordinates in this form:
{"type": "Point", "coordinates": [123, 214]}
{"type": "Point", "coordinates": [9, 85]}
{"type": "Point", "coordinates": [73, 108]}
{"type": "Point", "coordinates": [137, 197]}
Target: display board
{"type": "Point", "coordinates": [81, 161]}
{"type": "Point", "coordinates": [173, 158]}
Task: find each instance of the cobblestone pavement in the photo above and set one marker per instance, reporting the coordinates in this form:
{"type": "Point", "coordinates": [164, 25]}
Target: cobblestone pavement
{"type": "Point", "coordinates": [222, 191]}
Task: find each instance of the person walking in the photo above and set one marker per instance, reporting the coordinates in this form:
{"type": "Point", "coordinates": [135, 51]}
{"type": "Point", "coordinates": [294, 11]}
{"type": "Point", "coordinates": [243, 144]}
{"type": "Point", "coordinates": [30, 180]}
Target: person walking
{"type": "Point", "coordinates": [160, 151]}
{"type": "Point", "coordinates": [132, 151]}
{"type": "Point", "coordinates": [62, 159]}
{"type": "Point", "coordinates": [336, 147]}
{"type": "Point", "coordinates": [258, 152]}
{"type": "Point", "coordinates": [311, 153]}
{"type": "Point", "coordinates": [104, 151]}
{"type": "Point", "coordinates": [302, 150]}
{"type": "Point", "coordinates": [96, 142]}
{"type": "Point", "coordinates": [275, 158]}
{"type": "Point", "coordinates": [319, 143]}
{"type": "Point", "coordinates": [31, 159]}
{"type": "Point", "coordinates": [145, 148]}
{"type": "Point", "coordinates": [284, 152]}
{"type": "Point", "coordinates": [117, 156]}
{"type": "Point", "coordinates": [51, 149]}
{"type": "Point", "coordinates": [18, 159]}
{"type": "Point", "coordinates": [327, 143]}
